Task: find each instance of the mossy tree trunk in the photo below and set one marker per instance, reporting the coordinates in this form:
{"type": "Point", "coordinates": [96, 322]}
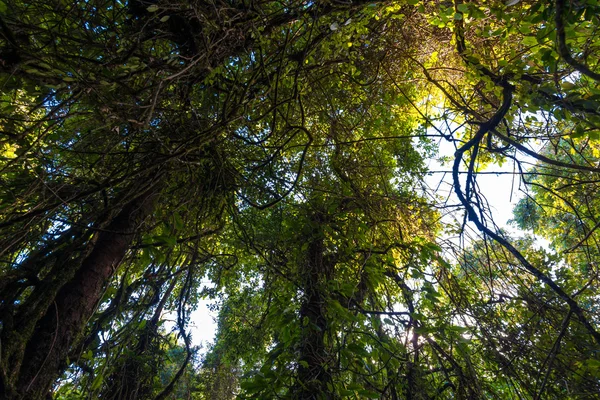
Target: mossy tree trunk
{"type": "Point", "coordinates": [314, 376]}
{"type": "Point", "coordinates": [35, 350]}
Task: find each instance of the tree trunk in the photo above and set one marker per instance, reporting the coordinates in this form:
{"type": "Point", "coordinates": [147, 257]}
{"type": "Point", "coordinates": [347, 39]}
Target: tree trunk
{"type": "Point", "coordinates": [63, 324]}
{"type": "Point", "coordinates": [313, 374]}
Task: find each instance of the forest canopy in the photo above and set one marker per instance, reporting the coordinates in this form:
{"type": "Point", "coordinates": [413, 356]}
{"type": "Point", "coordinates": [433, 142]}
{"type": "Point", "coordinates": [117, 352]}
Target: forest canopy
{"type": "Point", "coordinates": [273, 156]}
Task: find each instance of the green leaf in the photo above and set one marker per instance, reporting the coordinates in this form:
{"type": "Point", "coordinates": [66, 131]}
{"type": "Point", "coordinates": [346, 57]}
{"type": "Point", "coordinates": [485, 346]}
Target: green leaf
{"type": "Point", "coordinates": [579, 131]}
{"type": "Point", "coordinates": [368, 394]}
{"type": "Point", "coordinates": [167, 240]}
{"type": "Point", "coordinates": [463, 7]}
{"type": "Point", "coordinates": [177, 221]}
{"type": "Point", "coordinates": [358, 350]}
{"type": "Point", "coordinates": [530, 41]}
{"type": "Point", "coordinates": [97, 382]}
{"type": "Point", "coordinates": [152, 8]}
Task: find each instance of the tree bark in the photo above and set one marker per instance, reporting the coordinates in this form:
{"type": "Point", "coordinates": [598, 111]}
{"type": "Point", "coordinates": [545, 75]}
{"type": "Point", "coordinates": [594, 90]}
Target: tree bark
{"type": "Point", "coordinates": [64, 322]}
{"type": "Point", "coordinates": [313, 375]}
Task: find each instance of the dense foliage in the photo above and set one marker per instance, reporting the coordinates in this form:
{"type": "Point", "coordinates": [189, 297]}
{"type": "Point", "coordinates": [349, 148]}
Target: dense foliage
{"type": "Point", "coordinates": [278, 150]}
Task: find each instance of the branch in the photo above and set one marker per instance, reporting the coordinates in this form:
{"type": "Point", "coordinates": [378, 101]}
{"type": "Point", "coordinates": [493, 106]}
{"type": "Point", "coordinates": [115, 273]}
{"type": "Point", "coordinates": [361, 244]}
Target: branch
{"type": "Point", "coordinates": [488, 126]}
{"type": "Point", "coordinates": [542, 158]}
{"type": "Point", "coordinates": [296, 179]}
{"type": "Point", "coordinates": [553, 353]}
{"type": "Point", "coordinates": [563, 50]}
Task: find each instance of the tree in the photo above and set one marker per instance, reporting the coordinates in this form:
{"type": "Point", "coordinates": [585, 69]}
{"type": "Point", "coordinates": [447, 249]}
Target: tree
{"type": "Point", "coordinates": [278, 149]}
{"type": "Point", "coordinates": [313, 268]}
{"type": "Point", "coordinates": [111, 129]}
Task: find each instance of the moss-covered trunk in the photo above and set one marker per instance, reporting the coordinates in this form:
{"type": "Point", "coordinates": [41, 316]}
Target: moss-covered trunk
{"type": "Point", "coordinates": [314, 376]}
{"type": "Point", "coordinates": [37, 356]}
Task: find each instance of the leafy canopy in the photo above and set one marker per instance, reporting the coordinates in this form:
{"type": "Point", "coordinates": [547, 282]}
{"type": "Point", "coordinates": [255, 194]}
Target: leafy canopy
{"type": "Point", "coordinates": [273, 156]}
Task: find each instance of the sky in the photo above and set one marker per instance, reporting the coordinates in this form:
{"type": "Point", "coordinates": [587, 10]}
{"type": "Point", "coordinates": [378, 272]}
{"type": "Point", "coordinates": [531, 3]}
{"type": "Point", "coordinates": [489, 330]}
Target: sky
{"type": "Point", "coordinates": [203, 326]}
